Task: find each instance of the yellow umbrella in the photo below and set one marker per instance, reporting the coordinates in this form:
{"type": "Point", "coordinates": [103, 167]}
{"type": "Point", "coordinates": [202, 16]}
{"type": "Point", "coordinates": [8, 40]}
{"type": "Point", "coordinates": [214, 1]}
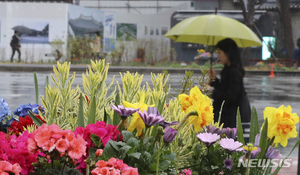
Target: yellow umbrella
{"type": "Point", "coordinates": [210, 29]}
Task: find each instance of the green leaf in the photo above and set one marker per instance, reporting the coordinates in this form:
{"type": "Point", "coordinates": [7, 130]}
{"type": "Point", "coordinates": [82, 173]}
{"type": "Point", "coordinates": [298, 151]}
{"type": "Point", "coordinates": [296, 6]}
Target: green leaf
{"type": "Point", "coordinates": [92, 110]}
{"type": "Point", "coordinates": [135, 155]}
{"type": "Point", "coordinates": [279, 167]}
{"type": "Point", "coordinates": [117, 118]}
{"type": "Point", "coordinates": [240, 128]}
{"type": "Point", "coordinates": [133, 142]}
{"type": "Point", "coordinates": [220, 113]}
{"type": "Point", "coordinates": [154, 131]}
{"type": "Point", "coordinates": [52, 171]}
{"type": "Point", "coordinates": [46, 85]}
{"type": "Point", "coordinates": [263, 139]}
{"type": "Point", "coordinates": [36, 120]}
{"type": "Point", "coordinates": [164, 165]}
{"type": "Point", "coordinates": [146, 140]}
{"type": "Point", "coordinates": [80, 112]}
{"type": "Point", "coordinates": [109, 150]}
{"type": "Point", "coordinates": [107, 118]}
{"type": "Point", "coordinates": [71, 171]}
{"type": "Point", "coordinates": [96, 140]}
{"type": "Point", "coordinates": [92, 151]}
{"type": "Point", "coordinates": [123, 152]}
{"type": "Point", "coordinates": [161, 104]}
{"type": "Point", "coordinates": [254, 125]}
{"type": "Point", "coordinates": [126, 135]}
{"type": "Point", "coordinates": [170, 156]}
{"type": "Point", "coordinates": [36, 87]}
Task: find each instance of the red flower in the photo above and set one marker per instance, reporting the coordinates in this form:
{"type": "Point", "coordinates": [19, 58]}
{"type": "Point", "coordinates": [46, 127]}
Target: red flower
{"type": "Point", "coordinates": [87, 99]}
{"type": "Point", "coordinates": [18, 127]}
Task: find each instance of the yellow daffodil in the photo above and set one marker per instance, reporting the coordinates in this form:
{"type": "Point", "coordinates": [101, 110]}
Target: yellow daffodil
{"type": "Point", "coordinates": [205, 113]}
{"type": "Point", "coordinates": [137, 121]}
{"type": "Point", "coordinates": [200, 51]}
{"type": "Point", "coordinates": [281, 124]}
{"type": "Point", "coordinates": [187, 100]}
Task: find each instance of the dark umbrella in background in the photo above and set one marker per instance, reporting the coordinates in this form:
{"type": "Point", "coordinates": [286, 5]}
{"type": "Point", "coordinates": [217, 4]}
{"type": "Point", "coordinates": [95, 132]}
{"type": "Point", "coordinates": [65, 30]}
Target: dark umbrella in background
{"type": "Point", "coordinates": [22, 30]}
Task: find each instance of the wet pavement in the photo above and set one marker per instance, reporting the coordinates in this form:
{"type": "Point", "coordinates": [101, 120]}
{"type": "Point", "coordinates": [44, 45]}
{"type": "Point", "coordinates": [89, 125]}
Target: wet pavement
{"type": "Point", "coordinates": [18, 88]}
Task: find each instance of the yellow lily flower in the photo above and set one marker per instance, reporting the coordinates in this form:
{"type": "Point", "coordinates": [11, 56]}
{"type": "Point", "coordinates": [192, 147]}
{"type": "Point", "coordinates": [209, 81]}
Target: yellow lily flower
{"type": "Point", "coordinates": [281, 124]}
{"type": "Point", "coordinates": [137, 121]}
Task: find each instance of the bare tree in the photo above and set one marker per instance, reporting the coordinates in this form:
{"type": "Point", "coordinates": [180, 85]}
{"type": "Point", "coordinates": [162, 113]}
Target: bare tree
{"type": "Point", "coordinates": [285, 17]}
{"type": "Point", "coordinates": [249, 21]}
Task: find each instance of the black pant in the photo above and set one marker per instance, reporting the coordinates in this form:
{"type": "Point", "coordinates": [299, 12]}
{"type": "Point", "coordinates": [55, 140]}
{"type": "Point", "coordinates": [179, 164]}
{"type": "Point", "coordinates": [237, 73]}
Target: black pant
{"type": "Point", "coordinates": [13, 54]}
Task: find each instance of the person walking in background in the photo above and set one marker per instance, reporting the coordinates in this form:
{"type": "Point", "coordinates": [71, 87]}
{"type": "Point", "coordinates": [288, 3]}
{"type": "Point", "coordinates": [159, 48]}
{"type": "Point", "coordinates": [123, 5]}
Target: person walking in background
{"type": "Point", "coordinates": [15, 45]}
{"type": "Point", "coordinates": [230, 88]}
{"type": "Point", "coordinates": [96, 46]}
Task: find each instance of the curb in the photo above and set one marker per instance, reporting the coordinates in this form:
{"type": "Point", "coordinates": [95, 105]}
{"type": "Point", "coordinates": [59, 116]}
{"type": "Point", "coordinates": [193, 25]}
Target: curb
{"type": "Point", "coordinates": [117, 69]}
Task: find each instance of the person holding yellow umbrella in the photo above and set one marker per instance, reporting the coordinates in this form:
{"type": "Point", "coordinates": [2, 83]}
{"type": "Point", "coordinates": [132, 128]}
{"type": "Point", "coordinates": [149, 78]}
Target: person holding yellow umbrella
{"type": "Point", "coordinates": [230, 88]}
{"type": "Point", "coordinates": [228, 35]}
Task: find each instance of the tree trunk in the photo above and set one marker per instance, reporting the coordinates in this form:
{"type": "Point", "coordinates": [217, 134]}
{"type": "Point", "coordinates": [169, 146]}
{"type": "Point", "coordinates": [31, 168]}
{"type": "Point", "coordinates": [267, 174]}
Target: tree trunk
{"type": "Point", "coordinates": [249, 18]}
{"type": "Point", "coordinates": [285, 17]}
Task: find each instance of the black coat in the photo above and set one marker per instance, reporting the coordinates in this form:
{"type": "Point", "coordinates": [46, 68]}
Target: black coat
{"type": "Point", "coordinates": [229, 89]}
{"type": "Point", "coordinates": [15, 42]}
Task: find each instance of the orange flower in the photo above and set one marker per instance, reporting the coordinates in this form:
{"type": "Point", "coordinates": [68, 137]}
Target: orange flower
{"type": "Point", "coordinates": [77, 148]}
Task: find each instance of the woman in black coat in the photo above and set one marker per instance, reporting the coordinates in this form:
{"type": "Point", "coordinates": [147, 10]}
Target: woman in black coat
{"type": "Point", "coordinates": [230, 87]}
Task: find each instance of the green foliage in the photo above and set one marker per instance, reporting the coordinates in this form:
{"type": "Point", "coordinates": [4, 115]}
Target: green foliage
{"type": "Point", "coordinates": [80, 48]}
{"type": "Point", "coordinates": [140, 153]}
{"type": "Point", "coordinates": [36, 88]}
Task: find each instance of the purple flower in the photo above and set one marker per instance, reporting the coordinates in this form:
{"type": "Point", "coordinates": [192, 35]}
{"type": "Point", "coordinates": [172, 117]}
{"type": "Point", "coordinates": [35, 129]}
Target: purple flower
{"type": "Point", "coordinates": [272, 153]}
{"type": "Point", "coordinates": [170, 134]}
{"type": "Point", "coordinates": [151, 117]}
{"type": "Point", "coordinates": [228, 163]}
{"type": "Point", "coordinates": [124, 112]}
{"type": "Point", "coordinates": [165, 123]}
{"type": "Point", "coordinates": [208, 138]}
{"type": "Point", "coordinates": [230, 145]}
{"type": "Point", "coordinates": [257, 140]}
{"type": "Point", "coordinates": [213, 130]}
{"type": "Point", "coordinates": [231, 133]}
{"type": "Point", "coordinates": [255, 153]}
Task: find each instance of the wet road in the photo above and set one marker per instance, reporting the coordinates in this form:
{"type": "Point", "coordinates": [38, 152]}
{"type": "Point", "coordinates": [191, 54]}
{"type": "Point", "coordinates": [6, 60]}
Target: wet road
{"type": "Point", "coordinates": [18, 88]}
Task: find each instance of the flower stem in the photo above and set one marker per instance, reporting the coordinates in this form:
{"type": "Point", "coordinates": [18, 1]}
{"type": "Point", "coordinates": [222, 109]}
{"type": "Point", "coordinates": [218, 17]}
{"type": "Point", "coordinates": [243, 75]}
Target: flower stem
{"type": "Point", "coordinates": [158, 156]}
{"type": "Point", "coordinates": [120, 125]}
{"type": "Point", "coordinates": [52, 162]}
{"type": "Point", "coordinates": [62, 170]}
{"type": "Point", "coordinates": [185, 119]}
{"type": "Point", "coordinates": [87, 169]}
{"type": "Point", "coordinates": [248, 154]}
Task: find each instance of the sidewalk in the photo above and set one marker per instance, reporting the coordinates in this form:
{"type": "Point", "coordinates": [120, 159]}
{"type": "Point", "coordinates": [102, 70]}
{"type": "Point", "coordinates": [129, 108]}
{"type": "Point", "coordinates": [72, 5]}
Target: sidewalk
{"type": "Point", "coordinates": [82, 68]}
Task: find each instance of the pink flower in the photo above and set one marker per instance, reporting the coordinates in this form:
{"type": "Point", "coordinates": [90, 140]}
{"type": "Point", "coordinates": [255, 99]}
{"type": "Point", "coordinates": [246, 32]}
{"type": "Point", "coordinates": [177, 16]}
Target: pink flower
{"type": "Point", "coordinates": [187, 172]}
{"type": "Point", "coordinates": [77, 148]}
{"type": "Point", "coordinates": [62, 145]}
{"type": "Point", "coordinates": [101, 163]}
{"type": "Point", "coordinates": [16, 169]}
{"type": "Point", "coordinates": [99, 152]}
{"type": "Point", "coordinates": [49, 146]}
{"type": "Point", "coordinates": [5, 166]}
{"type": "Point", "coordinates": [101, 171]}
{"type": "Point", "coordinates": [130, 171]}
{"type": "Point", "coordinates": [230, 145]}
{"type": "Point", "coordinates": [42, 135]}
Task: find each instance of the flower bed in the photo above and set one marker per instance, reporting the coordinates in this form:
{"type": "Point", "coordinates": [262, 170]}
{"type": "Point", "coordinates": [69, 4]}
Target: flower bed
{"type": "Point", "coordinates": [134, 130]}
